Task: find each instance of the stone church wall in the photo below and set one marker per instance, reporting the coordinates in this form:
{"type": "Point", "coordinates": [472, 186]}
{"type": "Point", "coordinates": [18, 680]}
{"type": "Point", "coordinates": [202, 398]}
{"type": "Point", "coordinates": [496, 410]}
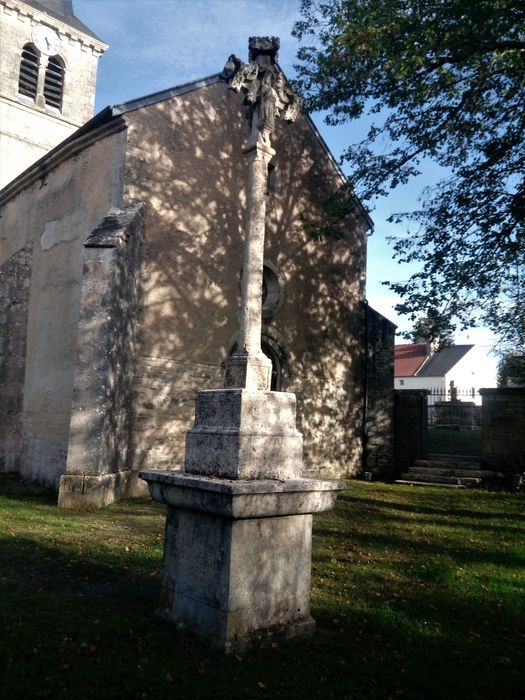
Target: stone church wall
{"type": "Point", "coordinates": [185, 159]}
{"type": "Point", "coordinates": [83, 423]}
{"type": "Point", "coordinates": [55, 215]}
{"type": "Point", "coordinates": [379, 420]}
{"type": "Point", "coordinates": [15, 279]}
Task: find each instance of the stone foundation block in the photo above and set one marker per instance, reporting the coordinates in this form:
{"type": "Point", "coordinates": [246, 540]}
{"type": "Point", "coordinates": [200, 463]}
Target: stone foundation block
{"type": "Point", "coordinates": [79, 491]}
{"type": "Point", "coordinates": [237, 556]}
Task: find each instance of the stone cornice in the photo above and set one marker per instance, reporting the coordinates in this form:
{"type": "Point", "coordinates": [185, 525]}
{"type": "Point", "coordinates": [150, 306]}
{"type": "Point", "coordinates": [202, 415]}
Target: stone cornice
{"type": "Point", "coordinates": [101, 126]}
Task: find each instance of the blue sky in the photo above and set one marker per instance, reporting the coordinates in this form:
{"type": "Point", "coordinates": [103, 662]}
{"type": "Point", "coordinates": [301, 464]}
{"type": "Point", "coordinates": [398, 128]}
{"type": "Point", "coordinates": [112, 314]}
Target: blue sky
{"type": "Point", "coordinates": [156, 44]}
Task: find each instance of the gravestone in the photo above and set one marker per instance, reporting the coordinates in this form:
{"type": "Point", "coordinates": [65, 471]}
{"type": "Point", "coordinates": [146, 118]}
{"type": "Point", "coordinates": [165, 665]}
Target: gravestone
{"type": "Point", "coordinates": [237, 552]}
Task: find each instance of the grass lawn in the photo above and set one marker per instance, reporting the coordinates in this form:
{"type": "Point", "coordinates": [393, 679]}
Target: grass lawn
{"type": "Point", "coordinates": [417, 592]}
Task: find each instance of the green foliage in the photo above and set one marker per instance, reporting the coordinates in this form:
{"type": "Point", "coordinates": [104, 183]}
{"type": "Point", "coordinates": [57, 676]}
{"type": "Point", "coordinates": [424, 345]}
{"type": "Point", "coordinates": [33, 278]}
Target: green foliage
{"type": "Point", "coordinates": [434, 328]}
{"type": "Point", "coordinates": [403, 579]}
{"type": "Point", "coordinates": [441, 80]}
{"type": "Point", "coordinates": [334, 209]}
{"type": "Point", "coordinates": [511, 370]}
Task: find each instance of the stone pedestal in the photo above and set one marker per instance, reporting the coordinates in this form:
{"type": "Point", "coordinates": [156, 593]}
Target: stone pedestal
{"type": "Point", "coordinates": [237, 555]}
{"type": "Point", "coordinates": [237, 552]}
{"type": "Point", "coordinates": [242, 434]}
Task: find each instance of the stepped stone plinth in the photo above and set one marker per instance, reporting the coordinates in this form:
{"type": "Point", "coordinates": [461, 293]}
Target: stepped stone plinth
{"type": "Point", "coordinates": [237, 551]}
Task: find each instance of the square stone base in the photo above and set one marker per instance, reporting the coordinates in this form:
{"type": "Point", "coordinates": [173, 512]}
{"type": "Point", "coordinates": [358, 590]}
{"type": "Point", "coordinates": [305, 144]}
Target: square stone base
{"type": "Point", "coordinates": [237, 555]}
{"type": "Point", "coordinates": [241, 434]}
{"type": "Point", "coordinates": [237, 583]}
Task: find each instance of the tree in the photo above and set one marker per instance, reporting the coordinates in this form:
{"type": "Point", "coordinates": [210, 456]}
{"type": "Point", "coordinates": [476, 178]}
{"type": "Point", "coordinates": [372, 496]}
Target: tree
{"type": "Point", "coordinates": [441, 80]}
{"type": "Point", "coordinates": [434, 329]}
{"type": "Point", "coordinates": [511, 370]}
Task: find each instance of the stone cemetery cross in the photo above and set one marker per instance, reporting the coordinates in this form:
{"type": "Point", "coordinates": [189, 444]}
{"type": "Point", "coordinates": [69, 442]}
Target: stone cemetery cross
{"type": "Point", "coordinates": [267, 97]}
{"type": "Point", "coordinates": [237, 549]}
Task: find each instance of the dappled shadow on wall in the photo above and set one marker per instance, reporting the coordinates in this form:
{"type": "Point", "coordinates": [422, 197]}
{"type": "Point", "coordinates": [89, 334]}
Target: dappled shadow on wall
{"type": "Point", "coordinates": [185, 161]}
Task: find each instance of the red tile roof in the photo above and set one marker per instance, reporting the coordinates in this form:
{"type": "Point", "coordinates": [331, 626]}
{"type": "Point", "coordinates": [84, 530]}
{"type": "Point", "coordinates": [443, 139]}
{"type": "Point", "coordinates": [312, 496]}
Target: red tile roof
{"type": "Point", "coordinates": [409, 358]}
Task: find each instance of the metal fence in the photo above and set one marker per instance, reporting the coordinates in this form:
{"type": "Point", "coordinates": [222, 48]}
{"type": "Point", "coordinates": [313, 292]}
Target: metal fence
{"type": "Point", "coordinates": [454, 421]}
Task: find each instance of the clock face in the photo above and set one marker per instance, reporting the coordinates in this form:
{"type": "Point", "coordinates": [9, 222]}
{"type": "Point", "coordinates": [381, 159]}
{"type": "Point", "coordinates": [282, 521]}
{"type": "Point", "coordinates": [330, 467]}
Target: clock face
{"type": "Point", "coordinates": [46, 40]}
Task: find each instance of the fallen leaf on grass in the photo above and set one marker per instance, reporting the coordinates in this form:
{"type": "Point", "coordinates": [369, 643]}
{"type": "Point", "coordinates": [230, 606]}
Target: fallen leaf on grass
{"type": "Point", "coordinates": [502, 661]}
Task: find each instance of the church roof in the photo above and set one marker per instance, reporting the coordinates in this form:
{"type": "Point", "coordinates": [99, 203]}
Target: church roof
{"type": "Point", "coordinates": [62, 10]}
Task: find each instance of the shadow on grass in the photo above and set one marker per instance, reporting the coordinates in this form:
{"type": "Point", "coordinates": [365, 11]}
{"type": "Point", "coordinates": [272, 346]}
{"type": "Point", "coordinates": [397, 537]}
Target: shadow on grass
{"type": "Point", "coordinates": [420, 507]}
{"type": "Point", "coordinates": [396, 618]}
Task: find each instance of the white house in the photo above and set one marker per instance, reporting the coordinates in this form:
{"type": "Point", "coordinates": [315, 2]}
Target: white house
{"type": "Point", "coordinates": [460, 370]}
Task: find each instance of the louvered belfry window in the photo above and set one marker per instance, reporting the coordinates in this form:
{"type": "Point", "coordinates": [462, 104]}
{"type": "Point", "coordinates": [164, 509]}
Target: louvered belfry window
{"type": "Point", "coordinates": [54, 82]}
{"type": "Point", "coordinates": [28, 80]}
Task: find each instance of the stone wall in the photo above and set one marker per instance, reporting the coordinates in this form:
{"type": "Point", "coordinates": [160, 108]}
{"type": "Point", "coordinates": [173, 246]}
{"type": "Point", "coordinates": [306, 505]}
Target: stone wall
{"type": "Point", "coordinates": [503, 431]}
{"type": "Point", "coordinates": [100, 458]}
{"type": "Point", "coordinates": [15, 281]}
{"type": "Point", "coordinates": [185, 159]}
{"type": "Point", "coordinates": [54, 214]}
{"type": "Point", "coordinates": [379, 422]}
{"type": "Point", "coordinates": [410, 427]}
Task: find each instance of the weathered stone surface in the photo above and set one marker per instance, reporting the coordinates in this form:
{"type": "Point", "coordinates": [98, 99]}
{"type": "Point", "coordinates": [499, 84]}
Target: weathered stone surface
{"type": "Point", "coordinates": [379, 417]}
{"type": "Point", "coordinates": [78, 491]}
{"type": "Point", "coordinates": [267, 97]}
{"type": "Point", "coordinates": [502, 431]}
{"type": "Point", "coordinates": [15, 280]}
{"type": "Point", "coordinates": [242, 434]}
{"type": "Point", "coordinates": [100, 432]}
{"type": "Point", "coordinates": [261, 498]}
{"type": "Point", "coordinates": [237, 556]}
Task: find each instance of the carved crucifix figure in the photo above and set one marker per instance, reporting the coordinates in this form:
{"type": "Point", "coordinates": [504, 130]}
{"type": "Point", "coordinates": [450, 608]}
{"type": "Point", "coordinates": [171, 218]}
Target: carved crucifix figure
{"type": "Point", "coordinates": [267, 97]}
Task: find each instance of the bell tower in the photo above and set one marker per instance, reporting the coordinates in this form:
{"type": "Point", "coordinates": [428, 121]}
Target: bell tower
{"type": "Point", "coordinates": [48, 73]}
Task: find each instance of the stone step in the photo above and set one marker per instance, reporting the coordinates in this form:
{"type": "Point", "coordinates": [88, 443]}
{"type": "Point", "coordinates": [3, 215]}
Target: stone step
{"type": "Point", "coordinates": [427, 479]}
{"type": "Point", "coordinates": [449, 463]}
{"type": "Point", "coordinates": [432, 471]}
{"type": "Point", "coordinates": [423, 483]}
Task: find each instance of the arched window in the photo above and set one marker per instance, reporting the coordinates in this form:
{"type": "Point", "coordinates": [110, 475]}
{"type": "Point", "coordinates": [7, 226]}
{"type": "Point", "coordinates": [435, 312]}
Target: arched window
{"type": "Point", "coordinates": [54, 82]}
{"type": "Point", "coordinates": [28, 79]}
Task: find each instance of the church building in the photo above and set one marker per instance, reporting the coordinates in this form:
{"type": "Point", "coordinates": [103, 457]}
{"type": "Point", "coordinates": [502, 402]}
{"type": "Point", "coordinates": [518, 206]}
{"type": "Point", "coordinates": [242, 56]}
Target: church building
{"type": "Point", "coordinates": [120, 266]}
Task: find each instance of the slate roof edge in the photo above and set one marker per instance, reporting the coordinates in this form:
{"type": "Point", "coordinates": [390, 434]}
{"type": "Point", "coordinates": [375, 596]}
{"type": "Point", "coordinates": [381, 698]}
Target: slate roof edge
{"type": "Point", "coordinates": [93, 126]}
{"type": "Point", "coordinates": [162, 95]}
{"type": "Point", "coordinates": [70, 21]}
{"type": "Point", "coordinates": [466, 348]}
{"type": "Point", "coordinates": [101, 125]}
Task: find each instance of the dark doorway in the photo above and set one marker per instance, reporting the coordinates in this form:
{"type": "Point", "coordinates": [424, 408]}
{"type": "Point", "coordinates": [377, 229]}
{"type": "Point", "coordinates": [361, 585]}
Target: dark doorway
{"type": "Point", "coordinates": [277, 367]}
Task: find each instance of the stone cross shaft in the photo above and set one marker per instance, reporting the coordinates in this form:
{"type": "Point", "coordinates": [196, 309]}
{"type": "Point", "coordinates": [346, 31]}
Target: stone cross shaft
{"type": "Point", "coordinates": [266, 96]}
